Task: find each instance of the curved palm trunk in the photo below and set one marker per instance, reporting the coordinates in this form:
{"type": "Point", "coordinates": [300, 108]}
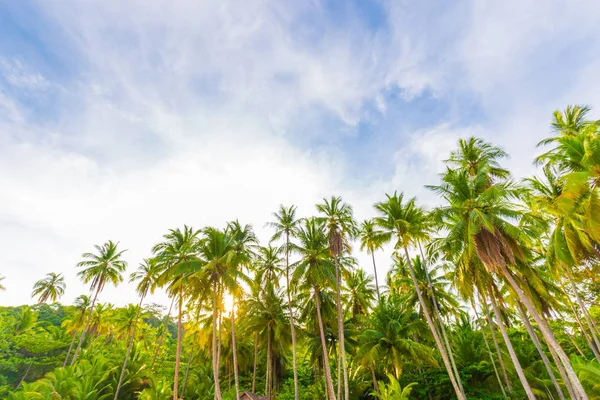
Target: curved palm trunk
{"type": "Point", "coordinates": [292, 327]}
{"type": "Point", "coordinates": [70, 348]}
{"type": "Point", "coordinates": [178, 353]}
{"type": "Point", "coordinates": [328, 381]}
{"type": "Point", "coordinates": [453, 379]}
{"type": "Point", "coordinates": [187, 368]}
{"type": "Point", "coordinates": [375, 273]}
{"type": "Point", "coordinates": [585, 334]}
{"type": "Point", "coordinates": [538, 346]}
{"type": "Point", "coordinates": [547, 333]}
{"type": "Point", "coordinates": [496, 345]}
{"type": "Point", "coordinates": [590, 322]}
{"type": "Point", "coordinates": [255, 362]}
{"type": "Point", "coordinates": [87, 325]}
{"type": "Point", "coordinates": [375, 385]}
{"type": "Point", "coordinates": [215, 355]}
{"type": "Point", "coordinates": [234, 349]}
{"type": "Point", "coordinates": [129, 347]}
{"type": "Point", "coordinates": [509, 346]}
{"type": "Point", "coordinates": [341, 340]}
{"type": "Point", "coordinates": [563, 373]}
{"type": "Point", "coordinates": [489, 350]}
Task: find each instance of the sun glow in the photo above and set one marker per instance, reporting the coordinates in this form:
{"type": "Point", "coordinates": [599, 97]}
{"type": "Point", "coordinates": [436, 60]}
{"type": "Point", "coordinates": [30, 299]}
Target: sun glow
{"type": "Point", "coordinates": [227, 304]}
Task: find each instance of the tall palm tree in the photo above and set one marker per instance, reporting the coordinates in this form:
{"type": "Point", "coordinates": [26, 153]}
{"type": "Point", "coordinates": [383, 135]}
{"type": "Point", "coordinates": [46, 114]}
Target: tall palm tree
{"type": "Point", "coordinates": [312, 273]}
{"type": "Point", "coordinates": [51, 287]}
{"type": "Point", "coordinates": [244, 242]}
{"type": "Point", "coordinates": [478, 217]}
{"type": "Point", "coordinates": [341, 227]}
{"type": "Point", "coordinates": [285, 226]}
{"type": "Point", "coordinates": [407, 225]}
{"type": "Point", "coordinates": [371, 239]}
{"type": "Point", "coordinates": [106, 266]}
{"type": "Point", "coordinates": [359, 296]}
{"type": "Point", "coordinates": [178, 248]}
{"type": "Point", "coordinates": [147, 276]}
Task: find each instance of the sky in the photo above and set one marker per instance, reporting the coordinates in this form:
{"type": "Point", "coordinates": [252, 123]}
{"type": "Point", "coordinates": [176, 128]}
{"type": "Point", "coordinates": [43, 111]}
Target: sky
{"type": "Point", "coordinates": [121, 120]}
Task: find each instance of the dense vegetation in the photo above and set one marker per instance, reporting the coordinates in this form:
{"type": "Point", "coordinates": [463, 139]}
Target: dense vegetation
{"type": "Point", "coordinates": [491, 295]}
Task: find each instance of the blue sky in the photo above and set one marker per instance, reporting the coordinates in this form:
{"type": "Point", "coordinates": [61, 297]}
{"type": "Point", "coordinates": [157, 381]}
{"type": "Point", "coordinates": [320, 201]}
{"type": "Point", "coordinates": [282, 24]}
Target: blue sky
{"type": "Point", "coordinates": [119, 120]}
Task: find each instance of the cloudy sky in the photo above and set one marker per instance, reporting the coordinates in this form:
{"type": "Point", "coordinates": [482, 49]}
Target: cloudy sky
{"type": "Point", "coordinates": [121, 119]}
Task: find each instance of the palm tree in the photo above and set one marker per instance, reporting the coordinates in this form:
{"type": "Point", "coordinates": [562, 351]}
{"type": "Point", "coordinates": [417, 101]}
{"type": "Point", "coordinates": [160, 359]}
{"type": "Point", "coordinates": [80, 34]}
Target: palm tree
{"type": "Point", "coordinates": [99, 269]}
{"type": "Point", "coordinates": [478, 219]}
{"type": "Point", "coordinates": [359, 293]}
{"type": "Point", "coordinates": [244, 241]}
{"type": "Point", "coordinates": [409, 225]}
{"type": "Point", "coordinates": [313, 273]}
{"type": "Point", "coordinates": [51, 287]}
{"type": "Point", "coordinates": [147, 276]}
{"type": "Point", "coordinates": [82, 303]}
{"type": "Point", "coordinates": [285, 226]}
{"type": "Point", "coordinates": [178, 248]}
{"type": "Point", "coordinates": [340, 225]}
{"type": "Point", "coordinates": [371, 239]}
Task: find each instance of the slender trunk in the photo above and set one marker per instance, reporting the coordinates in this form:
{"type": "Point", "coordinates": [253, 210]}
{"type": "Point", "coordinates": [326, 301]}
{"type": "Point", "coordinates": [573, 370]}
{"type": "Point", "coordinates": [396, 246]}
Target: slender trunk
{"type": "Point", "coordinates": [187, 368]}
{"type": "Point", "coordinates": [487, 345]}
{"type": "Point", "coordinates": [590, 322]}
{"type": "Point", "coordinates": [459, 393]}
{"type": "Point", "coordinates": [268, 377]}
{"type": "Point", "coordinates": [178, 352]}
{"type": "Point", "coordinates": [341, 341]}
{"type": "Point", "coordinates": [574, 343]}
{"type": "Point", "coordinates": [129, 347]}
{"type": "Point", "coordinates": [547, 333]}
{"type": "Point", "coordinates": [375, 385]}
{"type": "Point", "coordinates": [234, 349]}
{"type": "Point", "coordinates": [509, 346]}
{"type": "Point", "coordinates": [585, 334]}
{"type": "Point", "coordinates": [292, 325]}
{"type": "Point", "coordinates": [25, 375]}
{"type": "Point", "coordinates": [375, 273]}
{"type": "Point", "coordinates": [70, 348]}
{"type": "Point", "coordinates": [87, 325]}
{"type": "Point", "coordinates": [496, 345]}
{"type": "Point", "coordinates": [538, 346]}
{"type": "Point", "coordinates": [328, 381]}
{"type": "Point", "coordinates": [162, 336]}
{"type": "Point", "coordinates": [255, 362]}
{"type": "Point", "coordinates": [214, 343]}
{"type": "Point", "coordinates": [563, 373]}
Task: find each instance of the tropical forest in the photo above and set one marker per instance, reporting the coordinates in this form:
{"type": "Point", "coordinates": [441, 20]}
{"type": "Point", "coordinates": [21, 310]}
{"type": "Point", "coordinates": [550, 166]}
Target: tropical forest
{"type": "Point", "coordinates": [492, 294]}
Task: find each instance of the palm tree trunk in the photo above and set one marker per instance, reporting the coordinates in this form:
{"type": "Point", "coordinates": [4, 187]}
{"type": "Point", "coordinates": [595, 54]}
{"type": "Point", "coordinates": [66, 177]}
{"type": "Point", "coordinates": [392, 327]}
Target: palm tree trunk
{"type": "Point", "coordinates": [509, 346]}
{"type": "Point", "coordinates": [453, 379]}
{"type": "Point", "coordinates": [375, 273]}
{"type": "Point", "coordinates": [547, 333]}
{"type": "Point", "coordinates": [590, 322]}
{"type": "Point", "coordinates": [214, 343]}
{"type": "Point", "coordinates": [25, 374]}
{"type": "Point", "coordinates": [129, 346]}
{"type": "Point", "coordinates": [162, 336]}
{"type": "Point", "coordinates": [496, 345]}
{"type": "Point", "coordinates": [87, 324]}
{"type": "Point", "coordinates": [268, 377]}
{"type": "Point", "coordinates": [328, 381]}
{"type": "Point", "coordinates": [187, 368]}
{"type": "Point", "coordinates": [234, 349]}
{"type": "Point", "coordinates": [178, 353]}
{"type": "Point", "coordinates": [585, 334]}
{"type": "Point", "coordinates": [255, 362]}
{"type": "Point", "coordinates": [375, 385]}
{"type": "Point", "coordinates": [341, 341]}
{"type": "Point", "coordinates": [292, 325]}
{"type": "Point", "coordinates": [538, 346]}
{"type": "Point", "coordinates": [487, 345]}
{"type": "Point", "coordinates": [563, 373]}
{"type": "Point", "coordinates": [70, 348]}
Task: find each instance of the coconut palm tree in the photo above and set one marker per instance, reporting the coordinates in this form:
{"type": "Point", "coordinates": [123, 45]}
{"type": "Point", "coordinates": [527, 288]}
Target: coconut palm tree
{"type": "Point", "coordinates": [371, 239]}
{"type": "Point", "coordinates": [285, 226]}
{"type": "Point", "coordinates": [82, 304]}
{"type": "Point", "coordinates": [51, 287]}
{"type": "Point", "coordinates": [408, 225]}
{"type": "Point", "coordinates": [147, 276]}
{"type": "Point", "coordinates": [341, 227]}
{"type": "Point", "coordinates": [359, 295]}
{"type": "Point", "coordinates": [105, 266]}
{"type": "Point", "coordinates": [478, 217]}
{"type": "Point", "coordinates": [314, 272]}
{"type": "Point", "coordinates": [178, 248]}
